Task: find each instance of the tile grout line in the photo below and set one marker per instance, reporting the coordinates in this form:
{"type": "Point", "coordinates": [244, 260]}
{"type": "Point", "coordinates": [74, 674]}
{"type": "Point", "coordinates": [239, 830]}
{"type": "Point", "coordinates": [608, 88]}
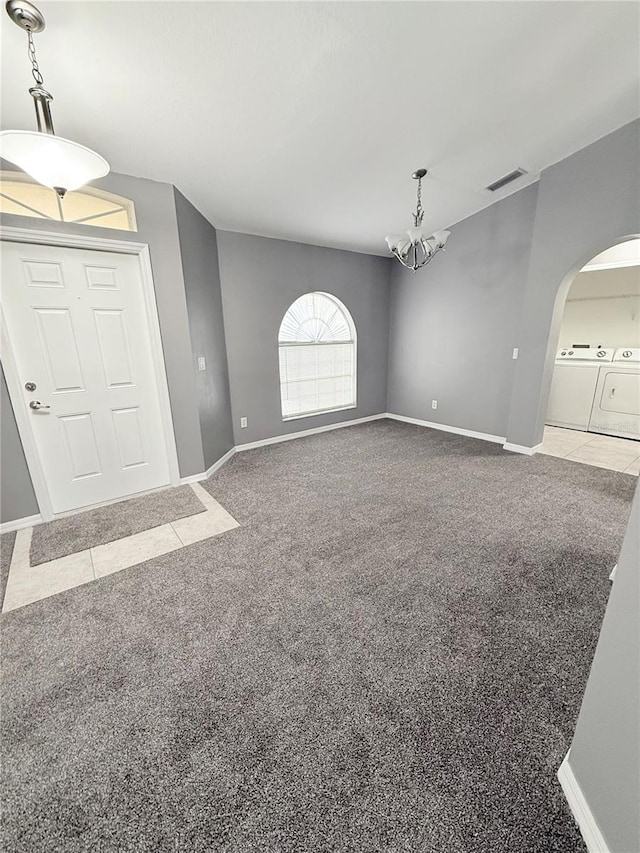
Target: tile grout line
{"type": "Point", "coordinates": [176, 532]}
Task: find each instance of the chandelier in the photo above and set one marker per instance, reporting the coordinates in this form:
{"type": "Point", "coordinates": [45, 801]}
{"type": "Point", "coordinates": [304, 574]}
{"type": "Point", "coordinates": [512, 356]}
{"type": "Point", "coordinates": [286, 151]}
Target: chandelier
{"type": "Point", "coordinates": [51, 160]}
{"type": "Point", "coordinates": [418, 250]}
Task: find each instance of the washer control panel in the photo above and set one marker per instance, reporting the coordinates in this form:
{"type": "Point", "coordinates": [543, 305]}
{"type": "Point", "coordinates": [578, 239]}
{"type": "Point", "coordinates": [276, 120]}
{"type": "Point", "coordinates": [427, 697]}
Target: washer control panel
{"type": "Point", "coordinates": [598, 354]}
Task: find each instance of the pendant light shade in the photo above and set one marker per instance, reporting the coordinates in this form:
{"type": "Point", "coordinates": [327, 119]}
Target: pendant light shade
{"type": "Point", "coordinates": [51, 160]}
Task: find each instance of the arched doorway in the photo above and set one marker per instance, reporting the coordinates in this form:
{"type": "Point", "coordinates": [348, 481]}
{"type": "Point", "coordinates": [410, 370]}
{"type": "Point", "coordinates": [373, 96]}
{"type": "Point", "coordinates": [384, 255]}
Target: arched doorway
{"type": "Point", "coordinates": [593, 406]}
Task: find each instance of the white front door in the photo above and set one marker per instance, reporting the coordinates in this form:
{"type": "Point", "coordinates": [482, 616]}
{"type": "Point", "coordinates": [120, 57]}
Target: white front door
{"type": "Point", "coordinates": [79, 332]}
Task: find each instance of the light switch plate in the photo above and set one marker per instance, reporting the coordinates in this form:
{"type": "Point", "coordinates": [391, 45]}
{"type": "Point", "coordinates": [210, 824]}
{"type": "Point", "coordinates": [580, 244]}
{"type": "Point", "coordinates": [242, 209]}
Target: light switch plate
{"type": "Point", "coordinates": [202, 365]}
{"type": "Point", "coordinates": [434, 404]}
{"type": "Point", "coordinates": [243, 423]}
{"type": "Point", "coordinates": [515, 352]}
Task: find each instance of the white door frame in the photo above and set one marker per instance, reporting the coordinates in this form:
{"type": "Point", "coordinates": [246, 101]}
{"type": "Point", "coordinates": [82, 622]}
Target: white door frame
{"type": "Point", "coordinates": [99, 244]}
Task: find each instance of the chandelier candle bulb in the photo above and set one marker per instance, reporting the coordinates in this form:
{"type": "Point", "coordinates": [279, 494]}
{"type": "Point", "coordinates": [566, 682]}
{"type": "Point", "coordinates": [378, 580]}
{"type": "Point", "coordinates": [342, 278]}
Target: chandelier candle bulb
{"type": "Point", "coordinates": [418, 250]}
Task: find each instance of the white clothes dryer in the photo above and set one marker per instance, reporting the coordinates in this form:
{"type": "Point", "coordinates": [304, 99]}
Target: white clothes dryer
{"type": "Point", "coordinates": [616, 405]}
{"type": "Point", "coordinates": [573, 388]}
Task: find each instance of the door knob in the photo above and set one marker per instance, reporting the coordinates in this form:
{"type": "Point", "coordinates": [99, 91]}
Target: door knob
{"type": "Point", "coordinates": [36, 404]}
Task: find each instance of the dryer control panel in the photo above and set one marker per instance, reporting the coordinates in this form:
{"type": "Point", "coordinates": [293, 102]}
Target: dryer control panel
{"type": "Point", "coordinates": [630, 355]}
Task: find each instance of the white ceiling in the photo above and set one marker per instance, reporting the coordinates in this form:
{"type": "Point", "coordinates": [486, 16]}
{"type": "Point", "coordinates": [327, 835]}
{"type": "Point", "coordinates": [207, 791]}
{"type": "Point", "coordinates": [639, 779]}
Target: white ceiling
{"type": "Point", "coordinates": [304, 120]}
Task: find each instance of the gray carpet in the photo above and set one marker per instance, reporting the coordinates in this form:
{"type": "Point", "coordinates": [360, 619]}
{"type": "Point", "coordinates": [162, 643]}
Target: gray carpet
{"type": "Point", "coordinates": [108, 523]}
{"type": "Point", "coordinates": [388, 655]}
{"type": "Point", "coordinates": [6, 550]}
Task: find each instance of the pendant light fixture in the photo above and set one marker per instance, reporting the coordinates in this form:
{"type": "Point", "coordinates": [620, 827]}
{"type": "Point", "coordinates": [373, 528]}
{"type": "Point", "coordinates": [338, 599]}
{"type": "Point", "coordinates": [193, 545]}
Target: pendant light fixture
{"type": "Point", "coordinates": [418, 250]}
{"type": "Point", "coordinates": [51, 160]}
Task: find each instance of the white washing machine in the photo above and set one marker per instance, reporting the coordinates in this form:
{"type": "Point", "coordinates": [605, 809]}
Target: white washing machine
{"type": "Point", "coordinates": [573, 388]}
{"type": "Point", "coordinates": [616, 405]}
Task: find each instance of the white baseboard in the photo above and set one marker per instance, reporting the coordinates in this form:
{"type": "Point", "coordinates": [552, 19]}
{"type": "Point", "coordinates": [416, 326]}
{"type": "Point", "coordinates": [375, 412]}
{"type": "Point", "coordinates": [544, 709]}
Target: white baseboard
{"type": "Point", "coordinates": [521, 448]}
{"type": "Point", "coordinates": [197, 478]}
{"type": "Point", "coordinates": [589, 829]}
{"type": "Point", "coordinates": [222, 461]}
{"type": "Point", "coordinates": [613, 572]}
{"type": "Point", "coordinates": [484, 436]}
{"type": "Point", "coordinates": [305, 432]}
{"type": "Point", "coordinates": [19, 523]}
{"type": "Point", "coordinates": [192, 478]}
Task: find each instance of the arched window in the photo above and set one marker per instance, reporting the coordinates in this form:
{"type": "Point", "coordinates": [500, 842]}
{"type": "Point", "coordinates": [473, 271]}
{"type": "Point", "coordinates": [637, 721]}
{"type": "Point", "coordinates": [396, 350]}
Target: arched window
{"type": "Point", "coordinates": [89, 206]}
{"type": "Point", "coordinates": [317, 345]}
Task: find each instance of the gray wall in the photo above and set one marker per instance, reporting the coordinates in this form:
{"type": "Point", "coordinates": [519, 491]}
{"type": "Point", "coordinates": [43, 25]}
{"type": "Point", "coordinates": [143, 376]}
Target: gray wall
{"type": "Point", "coordinates": [605, 753]}
{"type": "Point", "coordinates": [17, 498]}
{"type": "Point", "coordinates": [157, 226]}
{"type": "Point", "coordinates": [453, 323]}
{"type": "Point", "coordinates": [261, 277]}
{"type": "Point", "coordinates": [586, 203]}
{"type": "Point", "coordinates": [199, 250]}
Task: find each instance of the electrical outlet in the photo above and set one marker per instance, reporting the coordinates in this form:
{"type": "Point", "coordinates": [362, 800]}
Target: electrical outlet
{"type": "Point", "coordinates": [434, 404]}
{"type": "Point", "coordinates": [202, 365]}
{"type": "Point", "coordinates": [515, 352]}
{"type": "Point", "coordinates": [243, 423]}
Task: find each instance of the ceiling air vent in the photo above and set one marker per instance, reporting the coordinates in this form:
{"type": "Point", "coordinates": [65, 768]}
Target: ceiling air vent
{"type": "Point", "coordinates": [506, 179]}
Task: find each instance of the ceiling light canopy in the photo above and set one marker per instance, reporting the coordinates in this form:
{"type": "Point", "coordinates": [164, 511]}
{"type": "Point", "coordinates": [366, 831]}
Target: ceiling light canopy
{"type": "Point", "coordinates": [51, 160]}
{"type": "Point", "coordinates": [418, 250]}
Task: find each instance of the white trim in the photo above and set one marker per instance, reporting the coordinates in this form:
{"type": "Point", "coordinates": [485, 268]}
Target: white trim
{"type": "Point", "coordinates": [193, 478]}
{"type": "Point", "coordinates": [157, 356]}
{"type": "Point", "coordinates": [22, 421]}
{"type": "Point", "coordinates": [303, 433]}
{"type": "Point", "coordinates": [197, 478]}
{"type": "Point", "coordinates": [579, 806]}
{"type": "Point", "coordinates": [73, 241]}
{"type": "Point", "coordinates": [521, 448]}
{"type": "Point", "coordinates": [611, 265]}
{"type": "Point", "coordinates": [20, 523]}
{"type": "Point", "coordinates": [317, 414]}
{"type": "Point", "coordinates": [484, 436]}
{"type": "Point", "coordinates": [613, 572]}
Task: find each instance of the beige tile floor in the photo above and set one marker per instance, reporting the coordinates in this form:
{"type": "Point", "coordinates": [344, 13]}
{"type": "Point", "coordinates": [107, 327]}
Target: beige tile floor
{"type": "Point", "coordinates": [27, 583]}
{"type": "Point", "coordinates": [603, 451]}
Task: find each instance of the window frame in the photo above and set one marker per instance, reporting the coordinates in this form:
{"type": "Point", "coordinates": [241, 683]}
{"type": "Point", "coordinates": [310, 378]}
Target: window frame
{"type": "Point", "coordinates": [353, 341]}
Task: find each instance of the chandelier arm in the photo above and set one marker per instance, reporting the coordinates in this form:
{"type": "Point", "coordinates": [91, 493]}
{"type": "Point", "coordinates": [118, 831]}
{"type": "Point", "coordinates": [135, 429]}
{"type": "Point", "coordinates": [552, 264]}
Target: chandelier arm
{"type": "Point", "coordinates": [399, 257]}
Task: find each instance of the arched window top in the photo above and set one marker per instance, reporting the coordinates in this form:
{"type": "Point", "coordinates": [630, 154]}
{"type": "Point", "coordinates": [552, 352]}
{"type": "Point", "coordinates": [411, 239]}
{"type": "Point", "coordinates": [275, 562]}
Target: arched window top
{"type": "Point", "coordinates": [316, 318]}
{"type": "Point", "coordinates": [21, 196]}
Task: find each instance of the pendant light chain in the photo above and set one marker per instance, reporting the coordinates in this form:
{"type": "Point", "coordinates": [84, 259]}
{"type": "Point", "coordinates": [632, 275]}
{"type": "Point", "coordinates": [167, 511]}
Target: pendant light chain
{"type": "Point", "coordinates": [419, 214]}
{"type": "Point", "coordinates": [31, 53]}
